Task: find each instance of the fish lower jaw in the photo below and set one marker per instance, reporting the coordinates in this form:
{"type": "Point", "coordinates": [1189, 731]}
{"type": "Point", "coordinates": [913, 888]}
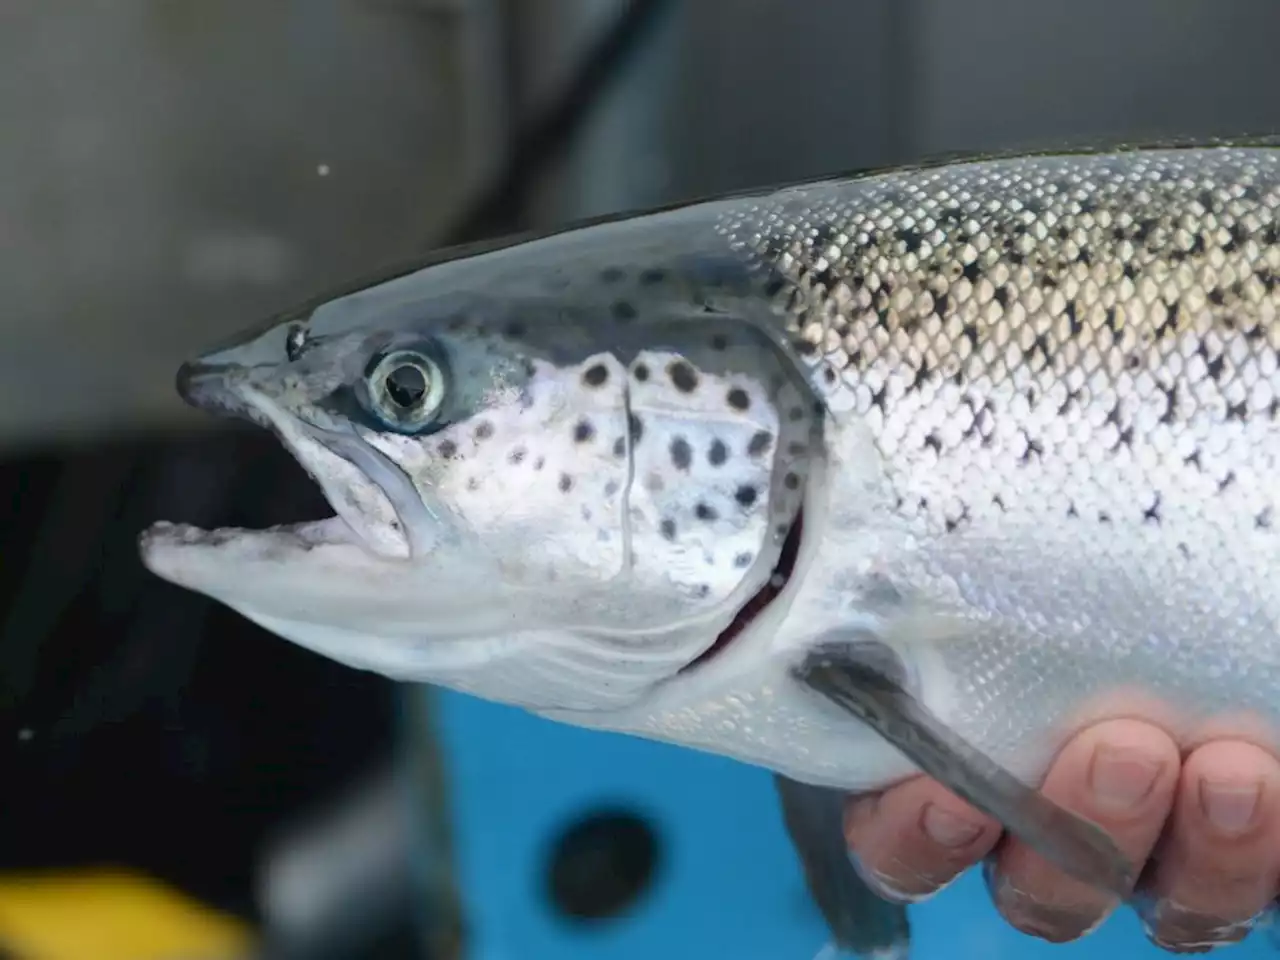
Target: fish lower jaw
{"type": "Point", "coordinates": [165, 545]}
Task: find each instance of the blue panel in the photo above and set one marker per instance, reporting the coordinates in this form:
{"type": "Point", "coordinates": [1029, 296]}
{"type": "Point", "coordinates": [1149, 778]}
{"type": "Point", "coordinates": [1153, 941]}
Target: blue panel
{"type": "Point", "coordinates": [729, 885]}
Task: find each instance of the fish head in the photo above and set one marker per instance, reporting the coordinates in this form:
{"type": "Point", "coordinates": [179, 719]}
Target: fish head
{"type": "Point", "coordinates": [556, 491]}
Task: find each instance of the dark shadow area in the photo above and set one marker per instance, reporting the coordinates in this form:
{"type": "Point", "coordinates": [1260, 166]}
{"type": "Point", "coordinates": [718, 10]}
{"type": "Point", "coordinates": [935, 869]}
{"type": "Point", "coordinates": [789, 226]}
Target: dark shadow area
{"type": "Point", "coordinates": [602, 864]}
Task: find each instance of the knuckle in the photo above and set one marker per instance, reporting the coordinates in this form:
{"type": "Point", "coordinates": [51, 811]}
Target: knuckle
{"type": "Point", "coordinates": [1045, 918]}
{"type": "Point", "coordinates": [1179, 929]}
{"type": "Point", "coordinates": [860, 820]}
{"type": "Point", "coordinates": [1217, 887]}
{"type": "Point", "coordinates": [1054, 924]}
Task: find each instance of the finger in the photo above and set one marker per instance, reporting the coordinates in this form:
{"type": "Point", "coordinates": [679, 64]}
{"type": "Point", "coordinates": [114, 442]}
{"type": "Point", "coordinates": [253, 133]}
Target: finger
{"type": "Point", "coordinates": [916, 837]}
{"type": "Point", "coordinates": [1122, 775]}
{"type": "Point", "coordinates": [1218, 867]}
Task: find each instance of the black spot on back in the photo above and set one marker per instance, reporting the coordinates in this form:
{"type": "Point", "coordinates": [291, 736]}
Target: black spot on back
{"type": "Point", "coordinates": [447, 448]}
{"type": "Point", "coordinates": [668, 528]}
{"type": "Point", "coordinates": [484, 430]}
{"type": "Point", "coordinates": [641, 372]}
{"type": "Point", "coordinates": [681, 453]}
{"type": "Point", "coordinates": [566, 483]}
{"type": "Point", "coordinates": [620, 447]}
{"type": "Point", "coordinates": [738, 399]}
{"type": "Point", "coordinates": [791, 481]}
{"type": "Point", "coordinates": [636, 426]}
{"type": "Point", "coordinates": [719, 342]}
{"type": "Point", "coordinates": [583, 431]}
{"type": "Point", "coordinates": [683, 377]}
{"type": "Point", "coordinates": [745, 495]}
{"type": "Point", "coordinates": [742, 560]}
{"type": "Point", "coordinates": [717, 453]}
{"type": "Point", "coordinates": [595, 375]}
{"type": "Point", "coordinates": [652, 276]}
{"type": "Point", "coordinates": [705, 512]}
{"type": "Point", "coordinates": [624, 311]}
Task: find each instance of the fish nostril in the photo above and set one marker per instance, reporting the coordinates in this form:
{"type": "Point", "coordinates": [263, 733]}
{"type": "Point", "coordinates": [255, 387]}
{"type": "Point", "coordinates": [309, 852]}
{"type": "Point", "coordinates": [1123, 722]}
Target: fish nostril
{"type": "Point", "coordinates": [601, 864]}
{"type": "Point", "coordinates": [193, 381]}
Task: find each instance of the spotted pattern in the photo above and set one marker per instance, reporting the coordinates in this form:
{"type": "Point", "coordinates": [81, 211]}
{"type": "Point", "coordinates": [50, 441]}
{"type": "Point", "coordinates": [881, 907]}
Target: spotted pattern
{"type": "Point", "coordinates": [537, 475]}
{"type": "Point", "coordinates": [1069, 371]}
{"type": "Point", "coordinates": [1091, 337]}
{"type": "Point", "coordinates": [708, 487]}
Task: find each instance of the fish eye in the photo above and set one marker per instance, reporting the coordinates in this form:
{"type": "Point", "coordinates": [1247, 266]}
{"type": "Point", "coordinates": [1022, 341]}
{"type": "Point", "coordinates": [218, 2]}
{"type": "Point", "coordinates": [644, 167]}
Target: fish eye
{"type": "Point", "coordinates": [405, 390]}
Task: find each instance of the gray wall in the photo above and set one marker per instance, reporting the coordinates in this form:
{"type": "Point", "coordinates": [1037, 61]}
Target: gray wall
{"type": "Point", "coordinates": [160, 179]}
{"type": "Point", "coordinates": [158, 159]}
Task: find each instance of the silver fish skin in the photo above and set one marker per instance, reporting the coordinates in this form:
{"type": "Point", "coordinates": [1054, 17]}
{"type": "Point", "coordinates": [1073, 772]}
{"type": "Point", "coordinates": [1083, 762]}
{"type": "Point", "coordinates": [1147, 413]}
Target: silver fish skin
{"type": "Point", "coordinates": [1026, 406]}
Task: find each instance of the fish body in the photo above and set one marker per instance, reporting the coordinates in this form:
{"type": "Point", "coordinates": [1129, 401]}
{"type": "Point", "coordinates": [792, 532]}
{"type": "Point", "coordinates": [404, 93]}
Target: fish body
{"type": "Point", "coordinates": [1015, 420]}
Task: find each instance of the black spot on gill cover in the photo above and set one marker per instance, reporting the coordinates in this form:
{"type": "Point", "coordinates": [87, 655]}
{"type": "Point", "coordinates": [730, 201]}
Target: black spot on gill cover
{"type": "Point", "coordinates": [681, 453]}
{"type": "Point", "coordinates": [683, 377]}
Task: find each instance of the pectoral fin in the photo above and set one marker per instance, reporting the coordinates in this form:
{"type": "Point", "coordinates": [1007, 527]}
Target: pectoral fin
{"type": "Point", "coordinates": [866, 679]}
{"type": "Point", "coordinates": [861, 923]}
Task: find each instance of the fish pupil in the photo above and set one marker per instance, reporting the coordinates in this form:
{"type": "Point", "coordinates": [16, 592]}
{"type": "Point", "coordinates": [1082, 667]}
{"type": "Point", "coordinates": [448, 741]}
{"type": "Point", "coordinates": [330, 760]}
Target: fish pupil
{"type": "Point", "coordinates": [406, 385]}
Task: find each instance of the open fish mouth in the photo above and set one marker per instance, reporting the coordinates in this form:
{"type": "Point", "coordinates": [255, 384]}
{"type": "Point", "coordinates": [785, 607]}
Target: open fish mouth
{"type": "Point", "coordinates": [376, 505]}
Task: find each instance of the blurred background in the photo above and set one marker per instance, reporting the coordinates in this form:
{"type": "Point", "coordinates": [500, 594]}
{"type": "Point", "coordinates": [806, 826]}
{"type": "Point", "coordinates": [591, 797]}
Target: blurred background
{"type": "Point", "coordinates": [178, 784]}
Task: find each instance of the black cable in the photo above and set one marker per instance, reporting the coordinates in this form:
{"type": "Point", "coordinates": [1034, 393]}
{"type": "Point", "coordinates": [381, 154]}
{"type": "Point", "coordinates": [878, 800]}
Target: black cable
{"type": "Point", "coordinates": [498, 208]}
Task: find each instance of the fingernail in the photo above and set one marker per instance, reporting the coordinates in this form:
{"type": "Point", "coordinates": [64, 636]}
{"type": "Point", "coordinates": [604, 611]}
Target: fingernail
{"type": "Point", "coordinates": [1121, 777]}
{"type": "Point", "coordinates": [948, 829]}
{"type": "Point", "coordinates": [1229, 806]}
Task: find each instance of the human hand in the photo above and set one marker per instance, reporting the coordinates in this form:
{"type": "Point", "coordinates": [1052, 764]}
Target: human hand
{"type": "Point", "coordinates": [1209, 824]}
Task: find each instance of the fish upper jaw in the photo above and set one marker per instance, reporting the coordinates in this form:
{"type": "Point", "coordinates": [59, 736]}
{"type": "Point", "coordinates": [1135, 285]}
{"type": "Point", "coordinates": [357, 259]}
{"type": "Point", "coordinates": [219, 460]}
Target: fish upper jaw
{"type": "Point", "coordinates": [368, 492]}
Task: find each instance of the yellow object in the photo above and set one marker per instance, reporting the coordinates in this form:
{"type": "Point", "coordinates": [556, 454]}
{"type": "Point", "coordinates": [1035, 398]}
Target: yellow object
{"type": "Point", "coordinates": [111, 915]}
